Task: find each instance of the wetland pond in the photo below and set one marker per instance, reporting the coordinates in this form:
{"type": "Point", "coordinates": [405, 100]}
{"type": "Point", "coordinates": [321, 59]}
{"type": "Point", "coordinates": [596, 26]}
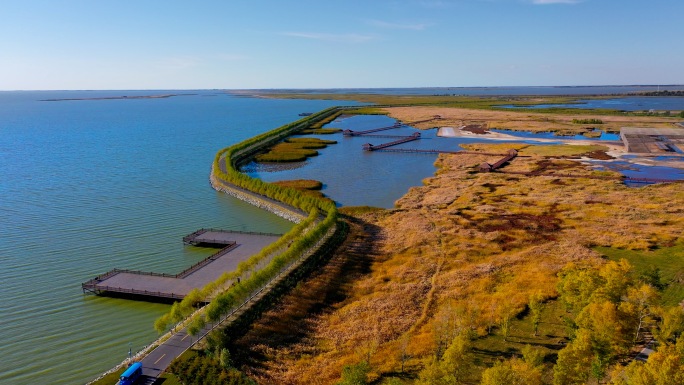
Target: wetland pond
{"type": "Point", "coordinates": [353, 177]}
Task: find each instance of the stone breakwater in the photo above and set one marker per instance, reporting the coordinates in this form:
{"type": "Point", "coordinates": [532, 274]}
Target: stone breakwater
{"type": "Point", "coordinates": [257, 200]}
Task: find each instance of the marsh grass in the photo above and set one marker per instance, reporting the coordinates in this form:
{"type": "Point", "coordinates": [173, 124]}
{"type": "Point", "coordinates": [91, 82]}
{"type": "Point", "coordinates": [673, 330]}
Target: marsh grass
{"type": "Point", "coordinates": [551, 150]}
{"type": "Point", "coordinates": [301, 184]}
{"type": "Point", "coordinates": [321, 131]}
{"type": "Point", "coordinates": [293, 150]}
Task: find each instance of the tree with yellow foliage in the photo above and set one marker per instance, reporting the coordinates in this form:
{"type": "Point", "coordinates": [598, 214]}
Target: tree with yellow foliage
{"type": "Point", "coordinates": [512, 372]}
{"type": "Point", "coordinates": [453, 366]}
{"type": "Point", "coordinates": [665, 366]}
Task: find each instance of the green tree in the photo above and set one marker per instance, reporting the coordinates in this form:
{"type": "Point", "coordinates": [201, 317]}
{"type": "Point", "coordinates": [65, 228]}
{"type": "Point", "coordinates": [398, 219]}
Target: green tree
{"type": "Point", "coordinates": [452, 367]}
{"type": "Point", "coordinates": [533, 356]}
{"type": "Point", "coordinates": [356, 374]}
{"type": "Point", "coordinates": [457, 359]}
{"type": "Point", "coordinates": [576, 287]}
{"type": "Point", "coordinates": [536, 306]}
{"type": "Point", "coordinates": [224, 358]}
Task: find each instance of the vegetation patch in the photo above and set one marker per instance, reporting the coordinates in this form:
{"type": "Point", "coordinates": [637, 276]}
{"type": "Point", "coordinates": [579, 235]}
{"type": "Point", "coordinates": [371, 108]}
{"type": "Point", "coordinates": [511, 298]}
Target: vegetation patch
{"type": "Point", "coordinates": [587, 121]}
{"type": "Point", "coordinates": [468, 275]}
{"type": "Point", "coordinates": [310, 141]}
{"type": "Point", "coordinates": [321, 131]}
{"type": "Point", "coordinates": [293, 150]}
{"type": "Point", "coordinates": [301, 184]}
{"type": "Point", "coordinates": [662, 267]}
{"type": "Point", "coordinates": [562, 150]}
{"type": "Point", "coordinates": [208, 368]}
{"type": "Point", "coordinates": [307, 186]}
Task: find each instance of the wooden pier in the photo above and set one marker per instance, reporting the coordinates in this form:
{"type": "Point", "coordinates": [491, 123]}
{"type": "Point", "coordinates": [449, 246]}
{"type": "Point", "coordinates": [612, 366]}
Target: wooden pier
{"type": "Point", "coordinates": [235, 247]}
{"type": "Point", "coordinates": [435, 151]}
{"type": "Point", "coordinates": [360, 133]}
{"type": "Point", "coordinates": [486, 167]}
{"type": "Point", "coordinates": [406, 139]}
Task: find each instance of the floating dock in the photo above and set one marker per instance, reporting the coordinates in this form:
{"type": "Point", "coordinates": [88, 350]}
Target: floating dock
{"type": "Point", "coordinates": [236, 246]}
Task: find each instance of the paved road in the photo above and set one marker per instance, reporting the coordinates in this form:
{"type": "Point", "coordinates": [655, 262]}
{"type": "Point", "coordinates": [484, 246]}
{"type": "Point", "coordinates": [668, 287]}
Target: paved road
{"type": "Point", "coordinates": [160, 358]}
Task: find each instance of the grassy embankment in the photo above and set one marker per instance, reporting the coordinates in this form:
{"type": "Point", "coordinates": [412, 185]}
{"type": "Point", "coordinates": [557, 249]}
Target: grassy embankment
{"type": "Point", "coordinates": [293, 150]}
{"type": "Point", "coordinates": [465, 252]}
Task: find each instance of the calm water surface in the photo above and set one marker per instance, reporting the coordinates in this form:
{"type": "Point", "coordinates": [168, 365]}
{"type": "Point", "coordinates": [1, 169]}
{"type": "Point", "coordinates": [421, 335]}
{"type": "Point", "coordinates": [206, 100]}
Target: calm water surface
{"type": "Point", "coordinates": [354, 177]}
{"type": "Point", "coordinates": [631, 103]}
{"type": "Point", "coordinates": [87, 186]}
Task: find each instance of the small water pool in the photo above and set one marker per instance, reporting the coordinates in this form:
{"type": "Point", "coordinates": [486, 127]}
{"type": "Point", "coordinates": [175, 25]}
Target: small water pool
{"type": "Point", "coordinates": [604, 136]}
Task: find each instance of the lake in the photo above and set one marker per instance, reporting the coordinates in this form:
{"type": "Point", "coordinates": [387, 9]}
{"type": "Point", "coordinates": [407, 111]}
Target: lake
{"type": "Point", "coordinates": [91, 185]}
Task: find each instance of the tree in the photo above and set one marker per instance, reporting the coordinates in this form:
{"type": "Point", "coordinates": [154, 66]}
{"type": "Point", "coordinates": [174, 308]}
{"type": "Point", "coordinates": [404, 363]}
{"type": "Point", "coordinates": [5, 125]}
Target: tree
{"type": "Point", "coordinates": [574, 361]}
{"type": "Point", "coordinates": [638, 306]}
{"type": "Point", "coordinates": [512, 372]}
{"type": "Point", "coordinates": [536, 306]}
{"type": "Point", "coordinates": [224, 358]}
{"type": "Point", "coordinates": [606, 327]}
{"type": "Point", "coordinates": [356, 374]}
{"type": "Point", "coordinates": [453, 366]}
{"type": "Point", "coordinates": [457, 359]}
{"type": "Point", "coordinates": [577, 286]}
{"type": "Point", "coordinates": [533, 356]}
{"type": "Point", "coordinates": [617, 278]}
{"type": "Point", "coordinates": [665, 366]}
{"type": "Point", "coordinates": [670, 324]}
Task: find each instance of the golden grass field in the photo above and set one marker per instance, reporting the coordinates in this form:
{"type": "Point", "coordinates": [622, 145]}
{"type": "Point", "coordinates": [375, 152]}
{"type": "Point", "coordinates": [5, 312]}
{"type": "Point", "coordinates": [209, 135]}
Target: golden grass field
{"type": "Point", "coordinates": [522, 121]}
{"type": "Point", "coordinates": [464, 251]}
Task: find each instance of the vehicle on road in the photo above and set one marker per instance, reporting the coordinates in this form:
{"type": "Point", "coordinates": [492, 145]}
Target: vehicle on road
{"type": "Point", "coordinates": [131, 375]}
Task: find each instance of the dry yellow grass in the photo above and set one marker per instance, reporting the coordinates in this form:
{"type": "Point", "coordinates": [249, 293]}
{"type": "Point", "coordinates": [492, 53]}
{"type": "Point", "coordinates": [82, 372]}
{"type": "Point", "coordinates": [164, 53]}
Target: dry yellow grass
{"type": "Point", "coordinates": [465, 249]}
{"type": "Point", "coordinates": [522, 121]}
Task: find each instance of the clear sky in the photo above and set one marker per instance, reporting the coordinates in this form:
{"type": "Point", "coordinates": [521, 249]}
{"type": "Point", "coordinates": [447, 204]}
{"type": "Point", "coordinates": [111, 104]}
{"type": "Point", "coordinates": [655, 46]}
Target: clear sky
{"type": "Point", "coordinates": [169, 44]}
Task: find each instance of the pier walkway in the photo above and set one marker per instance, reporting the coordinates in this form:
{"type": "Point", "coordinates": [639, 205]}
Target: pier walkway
{"type": "Point", "coordinates": [236, 247]}
{"type": "Point", "coordinates": [406, 139]}
{"type": "Point", "coordinates": [360, 133]}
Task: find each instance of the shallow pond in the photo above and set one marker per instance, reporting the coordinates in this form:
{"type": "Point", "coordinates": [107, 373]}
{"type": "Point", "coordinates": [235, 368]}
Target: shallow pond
{"type": "Point", "coordinates": [353, 177]}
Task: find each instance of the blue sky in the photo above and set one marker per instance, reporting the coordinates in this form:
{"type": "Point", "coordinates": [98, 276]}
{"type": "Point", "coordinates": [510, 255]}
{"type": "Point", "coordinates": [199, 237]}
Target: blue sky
{"type": "Point", "coordinates": [155, 44]}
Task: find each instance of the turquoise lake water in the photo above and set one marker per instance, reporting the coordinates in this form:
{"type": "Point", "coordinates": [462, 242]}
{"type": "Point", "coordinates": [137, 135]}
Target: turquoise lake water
{"type": "Point", "coordinates": [91, 185]}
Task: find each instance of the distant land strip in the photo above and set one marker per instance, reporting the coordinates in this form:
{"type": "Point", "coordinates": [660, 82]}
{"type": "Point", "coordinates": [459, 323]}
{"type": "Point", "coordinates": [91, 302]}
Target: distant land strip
{"type": "Point", "coordinates": [118, 97]}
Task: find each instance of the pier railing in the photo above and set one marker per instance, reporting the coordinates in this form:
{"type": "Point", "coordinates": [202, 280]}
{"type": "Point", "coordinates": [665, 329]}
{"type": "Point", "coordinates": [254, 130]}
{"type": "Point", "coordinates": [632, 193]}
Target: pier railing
{"type": "Point", "coordinates": [94, 285]}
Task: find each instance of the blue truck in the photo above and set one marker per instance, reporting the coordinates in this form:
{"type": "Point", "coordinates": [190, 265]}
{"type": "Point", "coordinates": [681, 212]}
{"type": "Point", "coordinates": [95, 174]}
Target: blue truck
{"type": "Point", "coordinates": [131, 375]}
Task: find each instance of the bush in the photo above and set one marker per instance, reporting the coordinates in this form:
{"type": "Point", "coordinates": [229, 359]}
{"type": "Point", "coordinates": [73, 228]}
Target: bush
{"type": "Point", "coordinates": [587, 121]}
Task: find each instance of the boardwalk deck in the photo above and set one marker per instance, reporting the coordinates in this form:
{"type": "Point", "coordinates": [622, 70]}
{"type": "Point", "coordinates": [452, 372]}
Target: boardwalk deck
{"type": "Point", "coordinates": [237, 247]}
{"type": "Point", "coordinates": [360, 133]}
{"type": "Point", "coordinates": [406, 139]}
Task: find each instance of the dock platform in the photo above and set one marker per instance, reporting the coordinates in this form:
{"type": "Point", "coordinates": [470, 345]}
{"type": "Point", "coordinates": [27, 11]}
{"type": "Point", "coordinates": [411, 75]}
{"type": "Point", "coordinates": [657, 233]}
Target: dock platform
{"type": "Point", "coordinates": [236, 246]}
